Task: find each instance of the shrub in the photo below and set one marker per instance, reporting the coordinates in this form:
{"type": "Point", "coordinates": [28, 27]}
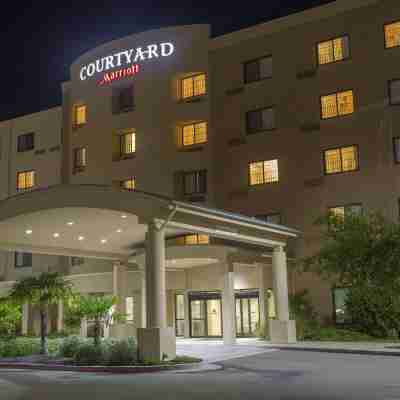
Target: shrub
{"type": "Point", "coordinates": [70, 346]}
{"type": "Point", "coordinates": [20, 347]}
{"type": "Point", "coordinates": [123, 352]}
{"type": "Point", "coordinates": [89, 354]}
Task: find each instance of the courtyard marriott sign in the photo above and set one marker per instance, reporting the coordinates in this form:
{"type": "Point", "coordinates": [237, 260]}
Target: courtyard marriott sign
{"type": "Point", "coordinates": [126, 61]}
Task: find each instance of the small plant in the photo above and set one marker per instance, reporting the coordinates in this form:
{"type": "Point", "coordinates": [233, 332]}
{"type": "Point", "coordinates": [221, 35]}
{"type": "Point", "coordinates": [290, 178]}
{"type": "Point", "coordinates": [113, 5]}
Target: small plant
{"type": "Point", "coordinates": [10, 316]}
{"type": "Point", "coordinates": [123, 352]}
{"type": "Point", "coordinates": [70, 346]}
{"type": "Point", "coordinates": [90, 354]}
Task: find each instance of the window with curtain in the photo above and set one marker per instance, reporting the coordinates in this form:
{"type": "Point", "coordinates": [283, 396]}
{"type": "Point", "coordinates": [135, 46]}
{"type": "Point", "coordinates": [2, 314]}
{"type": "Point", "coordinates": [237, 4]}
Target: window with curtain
{"type": "Point", "coordinates": [342, 159]}
{"type": "Point", "coordinates": [195, 182]}
{"type": "Point", "coordinates": [26, 142]}
{"type": "Point", "coordinates": [80, 158]}
{"type": "Point", "coordinates": [392, 35]}
{"type": "Point", "coordinates": [25, 180]}
{"type": "Point", "coordinates": [128, 143]}
{"type": "Point", "coordinates": [128, 184]}
{"type": "Point", "coordinates": [263, 172]}
{"type": "Point", "coordinates": [257, 70]}
{"type": "Point", "coordinates": [347, 210]}
{"type": "Point", "coordinates": [194, 133]}
{"type": "Point", "coordinates": [337, 104]}
{"type": "Point", "coordinates": [194, 86]}
{"type": "Point", "coordinates": [260, 120]}
{"type": "Point", "coordinates": [333, 50]}
{"type": "Point", "coordinates": [80, 115]}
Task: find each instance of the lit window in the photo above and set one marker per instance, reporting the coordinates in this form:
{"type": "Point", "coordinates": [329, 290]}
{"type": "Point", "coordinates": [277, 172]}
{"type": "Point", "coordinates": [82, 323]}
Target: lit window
{"type": "Point", "coordinates": [257, 70]}
{"type": "Point", "coordinates": [25, 180]}
{"type": "Point", "coordinates": [260, 120]}
{"type": "Point", "coordinates": [23, 260]}
{"type": "Point", "coordinates": [80, 159]}
{"type": "Point", "coordinates": [333, 50]}
{"type": "Point", "coordinates": [342, 159]}
{"type": "Point", "coordinates": [194, 86]}
{"type": "Point", "coordinates": [195, 182]}
{"type": "Point", "coordinates": [80, 115]}
{"type": "Point", "coordinates": [341, 212]}
{"type": "Point", "coordinates": [394, 92]}
{"type": "Point", "coordinates": [128, 143]}
{"type": "Point", "coordinates": [337, 104]}
{"type": "Point", "coordinates": [396, 149]}
{"type": "Point", "coordinates": [26, 142]}
{"type": "Point", "coordinates": [264, 172]}
{"type": "Point", "coordinates": [180, 315]}
{"type": "Point", "coordinates": [130, 309]}
{"type": "Point", "coordinates": [196, 239]}
{"type": "Point", "coordinates": [128, 184]}
{"type": "Point", "coordinates": [194, 134]}
{"type": "Point", "coordinates": [392, 35]}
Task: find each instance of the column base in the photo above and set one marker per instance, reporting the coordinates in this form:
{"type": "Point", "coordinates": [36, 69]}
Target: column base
{"type": "Point", "coordinates": [282, 331]}
{"type": "Point", "coordinates": [122, 331]}
{"type": "Point", "coordinates": [156, 344]}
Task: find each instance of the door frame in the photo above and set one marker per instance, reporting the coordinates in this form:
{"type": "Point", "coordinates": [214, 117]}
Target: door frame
{"type": "Point", "coordinates": [246, 294]}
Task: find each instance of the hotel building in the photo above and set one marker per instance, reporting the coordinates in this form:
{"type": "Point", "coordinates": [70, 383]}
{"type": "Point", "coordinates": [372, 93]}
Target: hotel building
{"type": "Point", "coordinates": [279, 122]}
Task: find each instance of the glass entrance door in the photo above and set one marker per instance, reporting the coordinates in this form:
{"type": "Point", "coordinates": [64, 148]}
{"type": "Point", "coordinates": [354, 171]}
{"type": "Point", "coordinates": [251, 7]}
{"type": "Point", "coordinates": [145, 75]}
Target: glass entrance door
{"type": "Point", "coordinates": [247, 314]}
{"type": "Point", "coordinates": [205, 315]}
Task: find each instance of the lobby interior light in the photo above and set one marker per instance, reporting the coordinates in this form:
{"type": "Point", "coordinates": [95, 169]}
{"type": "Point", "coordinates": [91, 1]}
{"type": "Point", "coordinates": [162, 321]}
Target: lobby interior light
{"type": "Point", "coordinates": [80, 238]}
{"type": "Point", "coordinates": [56, 235]}
{"type": "Point", "coordinates": [29, 231]}
{"type": "Point", "coordinates": [119, 230]}
{"type": "Point", "coordinates": [103, 241]}
{"type": "Point", "coordinates": [124, 216]}
{"type": "Point", "coordinates": [70, 223]}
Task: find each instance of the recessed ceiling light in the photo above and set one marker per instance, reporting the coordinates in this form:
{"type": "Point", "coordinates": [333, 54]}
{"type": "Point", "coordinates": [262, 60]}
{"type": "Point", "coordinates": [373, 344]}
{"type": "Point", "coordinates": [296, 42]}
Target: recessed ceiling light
{"type": "Point", "coordinates": [119, 230]}
{"type": "Point", "coordinates": [56, 235]}
{"type": "Point", "coordinates": [124, 216]}
{"type": "Point", "coordinates": [80, 238]}
{"type": "Point", "coordinates": [103, 241]}
{"type": "Point", "coordinates": [29, 231]}
{"type": "Point", "coordinates": [70, 223]}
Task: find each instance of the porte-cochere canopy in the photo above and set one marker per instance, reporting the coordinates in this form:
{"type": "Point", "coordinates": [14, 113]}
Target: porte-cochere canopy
{"type": "Point", "coordinates": [110, 223]}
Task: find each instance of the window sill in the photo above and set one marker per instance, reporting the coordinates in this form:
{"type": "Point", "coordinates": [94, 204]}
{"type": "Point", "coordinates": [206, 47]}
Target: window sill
{"type": "Point", "coordinates": [267, 78]}
{"type": "Point", "coordinates": [78, 170]}
{"type": "Point", "coordinates": [253, 132]}
{"type": "Point", "coordinates": [123, 110]}
{"type": "Point", "coordinates": [237, 142]}
{"type": "Point", "coordinates": [194, 99]}
{"type": "Point", "coordinates": [122, 157]}
{"type": "Point", "coordinates": [191, 149]}
{"type": "Point", "coordinates": [195, 198]}
{"type": "Point", "coordinates": [25, 189]}
{"type": "Point", "coordinates": [77, 127]}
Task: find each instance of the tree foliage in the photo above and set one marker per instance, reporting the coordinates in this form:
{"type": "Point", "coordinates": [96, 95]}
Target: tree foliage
{"type": "Point", "coordinates": [10, 316]}
{"type": "Point", "coordinates": [363, 253]}
{"type": "Point", "coordinates": [42, 290]}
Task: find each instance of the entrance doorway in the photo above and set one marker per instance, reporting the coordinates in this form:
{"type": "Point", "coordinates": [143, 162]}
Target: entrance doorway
{"type": "Point", "coordinates": [247, 314]}
{"type": "Point", "coordinates": [205, 315]}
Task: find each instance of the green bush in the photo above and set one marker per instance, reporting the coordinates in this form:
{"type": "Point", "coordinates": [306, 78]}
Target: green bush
{"type": "Point", "coordinates": [123, 352]}
{"type": "Point", "coordinates": [20, 347]}
{"type": "Point", "coordinates": [89, 354]}
{"type": "Point", "coordinates": [70, 346]}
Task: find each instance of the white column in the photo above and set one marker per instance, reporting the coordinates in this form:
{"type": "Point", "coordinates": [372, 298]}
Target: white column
{"type": "Point", "coordinates": [25, 319]}
{"type": "Point", "coordinates": [60, 316]}
{"type": "Point", "coordinates": [156, 301]}
{"type": "Point", "coordinates": [263, 306]}
{"type": "Point", "coordinates": [143, 311]}
{"type": "Point", "coordinates": [279, 267]}
{"type": "Point", "coordinates": [83, 331]}
{"type": "Point", "coordinates": [187, 321]}
{"type": "Point", "coordinates": [228, 306]}
{"type": "Point", "coordinates": [119, 286]}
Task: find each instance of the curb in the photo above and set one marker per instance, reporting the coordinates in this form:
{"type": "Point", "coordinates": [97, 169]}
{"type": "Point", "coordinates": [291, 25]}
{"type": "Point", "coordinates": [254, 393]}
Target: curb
{"type": "Point", "coordinates": [110, 370]}
{"type": "Point", "coordinates": [341, 351]}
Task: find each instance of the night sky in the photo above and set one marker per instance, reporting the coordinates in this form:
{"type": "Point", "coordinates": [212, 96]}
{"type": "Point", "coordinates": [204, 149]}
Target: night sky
{"type": "Point", "coordinates": [39, 42]}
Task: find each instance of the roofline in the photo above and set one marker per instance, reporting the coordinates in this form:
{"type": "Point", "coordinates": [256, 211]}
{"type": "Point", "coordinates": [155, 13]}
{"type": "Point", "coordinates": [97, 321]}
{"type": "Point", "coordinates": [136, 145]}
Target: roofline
{"type": "Point", "coordinates": [287, 22]}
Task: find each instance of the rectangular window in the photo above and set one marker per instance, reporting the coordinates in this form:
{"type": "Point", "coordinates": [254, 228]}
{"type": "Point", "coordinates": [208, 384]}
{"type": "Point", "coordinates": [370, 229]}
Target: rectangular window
{"type": "Point", "coordinates": [197, 239]}
{"type": "Point", "coordinates": [396, 149]}
{"type": "Point", "coordinates": [343, 159]}
{"type": "Point", "coordinates": [180, 315]}
{"type": "Point", "coordinates": [257, 70]}
{"type": "Point", "coordinates": [123, 99]}
{"type": "Point", "coordinates": [274, 218]}
{"type": "Point", "coordinates": [130, 309]}
{"type": "Point", "coordinates": [260, 120]}
{"type": "Point", "coordinates": [392, 35]}
{"type": "Point", "coordinates": [25, 180]}
{"type": "Point", "coordinates": [263, 172]}
{"type": "Point", "coordinates": [194, 86]}
{"type": "Point", "coordinates": [76, 261]}
{"type": "Point", "coordinates": [23, 260]}
{"type": "Point", "coordinates": [80, 159]}
{"type": "Point", "coordinates": [342, 211]}
{"type": "Point", "coordinates": [80, 115]}
{"type": "Point", "coordinates": [26, 142]}
{"type": "Point", "coordinates": [194, 134]}
{"type": "Point", "coordinates": [128, 184]}
{"type": "Point", "coordinates": [333, 50]}
{"type": "Point", "coordinates": [195, 182]}
{"type": "Point", "coordinates": [339, 305]}
{"type": "Point", "coordinates": [128, 144]}
{"type": "Point", "coordinates": [337, 104]}
{"type": "Point", "coordinates": [394, 92]}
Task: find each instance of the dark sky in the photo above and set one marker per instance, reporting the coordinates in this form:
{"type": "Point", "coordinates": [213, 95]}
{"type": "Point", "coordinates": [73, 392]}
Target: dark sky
{"type": "Point", "coordinates": [40, 41]}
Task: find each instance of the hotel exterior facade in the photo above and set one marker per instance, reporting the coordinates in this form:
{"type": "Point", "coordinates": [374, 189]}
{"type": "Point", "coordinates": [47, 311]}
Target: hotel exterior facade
{"type": "Point", "coordinates": [282, 121]}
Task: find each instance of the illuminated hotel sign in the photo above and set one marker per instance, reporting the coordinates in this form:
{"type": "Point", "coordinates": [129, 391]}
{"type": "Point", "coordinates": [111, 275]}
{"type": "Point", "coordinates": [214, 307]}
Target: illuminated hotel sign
{"type": "Point", "coordinates": [127, 62]}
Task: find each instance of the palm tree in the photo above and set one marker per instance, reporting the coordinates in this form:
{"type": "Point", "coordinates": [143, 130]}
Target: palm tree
{"type": "Point", "coordinates": [43, 290]}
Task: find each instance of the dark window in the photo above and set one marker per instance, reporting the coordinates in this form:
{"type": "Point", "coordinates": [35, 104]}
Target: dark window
{"type": "Point", "coordinates": [275, 218]}
{"type": "Point", "coordinates": [80, 159]}
{"type": "Point", "coordinates": [75, 261]}
{"type": "Point", "coordinates": [396, 149]}
{"type": "Point", "coordinates": [123, 99]}
{"type": "Point", "coordinates": [346, 210]}
{"type": "Point", "coordinates": [26, 142]}
{"type": "Point", "coordinates": [257, 70]}
{"type": "Point", "coordinates": [23, 260]}
{"type": "Point", "coordinates": [394, 92]}
{"type": "Point", "coordinates": [195, 182]}
{"type": "Point", "coordinates": [340, 313]}
{"type": "Point", "coordinates": [260, 120]}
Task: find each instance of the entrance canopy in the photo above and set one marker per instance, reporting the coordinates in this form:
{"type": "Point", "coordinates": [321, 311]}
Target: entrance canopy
{"type": "Point", "coordinates": [104, 222]}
